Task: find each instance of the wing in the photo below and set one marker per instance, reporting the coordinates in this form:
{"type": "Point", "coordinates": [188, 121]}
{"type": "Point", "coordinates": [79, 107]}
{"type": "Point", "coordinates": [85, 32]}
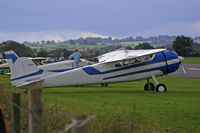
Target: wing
{"type": "Point", "coordinates": [126, 54]}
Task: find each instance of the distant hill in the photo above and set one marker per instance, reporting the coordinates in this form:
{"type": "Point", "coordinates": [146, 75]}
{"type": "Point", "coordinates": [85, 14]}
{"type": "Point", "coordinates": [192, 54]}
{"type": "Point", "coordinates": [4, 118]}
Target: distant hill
{"type": "Point", "coordinates": [161, 39]}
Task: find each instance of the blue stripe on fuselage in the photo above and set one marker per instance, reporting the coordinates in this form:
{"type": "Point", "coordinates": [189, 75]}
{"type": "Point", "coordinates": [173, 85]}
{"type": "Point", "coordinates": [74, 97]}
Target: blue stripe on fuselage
{"type": "Point", "coordinates": [162, 68]}
{"type": "Point", "coordinates": [60, 70]}
{"type": "Point", "coordinates": [40, 72]}
{"type": "Point", "coordinates": [92, 71]}
{"type": "Point", "coordinates": [29, 75]}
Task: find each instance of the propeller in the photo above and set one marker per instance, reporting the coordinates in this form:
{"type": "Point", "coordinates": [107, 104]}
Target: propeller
{"type": "Point", "coordinates": [180, 59]}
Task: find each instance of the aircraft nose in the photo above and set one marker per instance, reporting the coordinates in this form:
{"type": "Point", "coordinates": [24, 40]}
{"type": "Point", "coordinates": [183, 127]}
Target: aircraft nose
{"type": "Point", "coordinates": [180, 58]}
{"type": "Point", "coordinates": [170, 55]}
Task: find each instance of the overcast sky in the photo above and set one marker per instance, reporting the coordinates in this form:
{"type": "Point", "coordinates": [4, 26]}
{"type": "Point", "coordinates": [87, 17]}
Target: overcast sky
{"type": "Point", "coordinates": [68, 19]}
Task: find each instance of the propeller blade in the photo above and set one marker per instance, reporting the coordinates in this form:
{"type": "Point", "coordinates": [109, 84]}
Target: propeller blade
{"type": "Point", "coordinates": [180, 59]}
{"type": "Point", "coordinates": [183, 69]}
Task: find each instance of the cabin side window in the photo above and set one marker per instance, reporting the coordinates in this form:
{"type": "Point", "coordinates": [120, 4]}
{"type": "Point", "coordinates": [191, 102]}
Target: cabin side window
{"type": "Point", "coordinates": [148, 57]}
{"type": "Point", "coordinates": [151, 56]}
{"type": "Point", "coordinates": [128, 62]}
{"type": "Point", "coordinates": [121, 63]}
{"type": "Point", "coordinates": [134, 61]}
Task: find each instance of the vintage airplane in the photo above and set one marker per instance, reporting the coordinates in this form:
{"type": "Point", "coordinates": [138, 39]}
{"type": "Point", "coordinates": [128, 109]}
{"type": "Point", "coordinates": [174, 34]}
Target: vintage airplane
{"type": "Point", "coordinates": [4, 67]}
{"type": "Point", "coordinates": [117, 66]}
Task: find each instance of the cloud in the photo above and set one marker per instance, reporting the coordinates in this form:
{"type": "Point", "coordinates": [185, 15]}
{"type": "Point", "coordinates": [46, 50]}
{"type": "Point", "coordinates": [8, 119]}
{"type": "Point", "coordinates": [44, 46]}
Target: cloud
{"type": "Point", "coordinates": [89, 34]}
{"type": "Point", "coordinates": [175, 28]}
{"type": "Point", "coordinates": [46, 35]}
{"type": "Point", "coordinates": [195, 27]}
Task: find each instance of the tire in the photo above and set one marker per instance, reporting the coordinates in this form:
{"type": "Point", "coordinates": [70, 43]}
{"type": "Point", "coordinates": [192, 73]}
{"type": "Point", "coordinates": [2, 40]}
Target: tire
{"type": "Point", "coordinates": [146, 88]}
{"type": "Point", "coordinates": [161, 88]}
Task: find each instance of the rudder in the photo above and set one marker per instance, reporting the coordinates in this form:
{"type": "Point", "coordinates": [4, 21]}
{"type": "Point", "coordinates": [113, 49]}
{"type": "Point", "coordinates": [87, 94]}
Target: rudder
{"type": "Point", "coordinates": [23, 69]}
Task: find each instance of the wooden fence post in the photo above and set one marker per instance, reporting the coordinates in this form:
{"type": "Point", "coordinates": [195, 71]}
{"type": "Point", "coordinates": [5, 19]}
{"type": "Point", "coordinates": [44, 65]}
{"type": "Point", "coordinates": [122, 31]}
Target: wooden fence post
{"type": "Point", "coordinates": [35, 106]}
{"type": "Point", "coordinates": [15, 116]}
{"type": "Point", "coordinates": [79, 128]}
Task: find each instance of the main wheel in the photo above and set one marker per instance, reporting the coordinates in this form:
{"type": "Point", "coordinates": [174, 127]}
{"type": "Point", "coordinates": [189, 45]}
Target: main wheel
{"type": "Point", "coordinates": [151, 87]}
{"type": "Point", "coordinates": [161, 88]}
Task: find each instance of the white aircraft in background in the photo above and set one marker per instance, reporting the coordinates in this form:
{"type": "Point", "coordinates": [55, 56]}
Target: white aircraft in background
{"type": "Point", "coordinates": [5, 69]}
{"type": "Point", "coordinates": [116, 66]}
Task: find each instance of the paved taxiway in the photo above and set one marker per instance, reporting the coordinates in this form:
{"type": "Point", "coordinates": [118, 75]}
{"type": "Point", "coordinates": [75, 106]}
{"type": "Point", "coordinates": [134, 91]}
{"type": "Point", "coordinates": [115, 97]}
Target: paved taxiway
{"type": "Point", "coordinates": [192, 71]}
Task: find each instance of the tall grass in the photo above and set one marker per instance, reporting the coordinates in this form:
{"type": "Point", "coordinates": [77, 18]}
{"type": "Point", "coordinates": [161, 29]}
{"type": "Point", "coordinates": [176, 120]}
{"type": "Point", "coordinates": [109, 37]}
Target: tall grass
{"type": "Point", "coordinates": [119, 108]}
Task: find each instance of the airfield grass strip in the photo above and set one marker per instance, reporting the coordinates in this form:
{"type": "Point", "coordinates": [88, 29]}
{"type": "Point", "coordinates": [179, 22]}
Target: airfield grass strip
{"type": "Point", "coordinates": [191, 60]}
{"type": "Point", "coordinates": [122, 107]}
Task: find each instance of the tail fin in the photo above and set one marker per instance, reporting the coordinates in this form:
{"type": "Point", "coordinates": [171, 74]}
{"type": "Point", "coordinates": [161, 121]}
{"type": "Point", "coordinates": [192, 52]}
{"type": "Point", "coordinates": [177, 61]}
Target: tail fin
{"type": "Point", "coordinates": [23, 70]}
{"type": "Point", "coordinates": [11, 57]}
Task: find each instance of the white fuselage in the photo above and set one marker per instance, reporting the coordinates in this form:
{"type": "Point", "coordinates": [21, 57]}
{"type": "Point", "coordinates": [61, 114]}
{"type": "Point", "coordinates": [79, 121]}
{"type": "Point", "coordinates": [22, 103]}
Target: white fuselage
{"type": "Point", "coordinates": [116, 66]}
{"type": "Point", "coordinates": [108, 73]}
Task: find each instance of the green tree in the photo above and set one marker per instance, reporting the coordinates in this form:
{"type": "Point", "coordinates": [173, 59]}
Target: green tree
{"type": "Point", "coordinates": [129, 47]}
{"type": "Point", "coordinates": [144, 46]}
{"type": "Point", "coordinates": [20, 49]}
{"type": "Point", "coordinates": [42, 53]}
{"type": "Point", "coordinates": [67, 53]}
{"type": "Point", "coordinates": [183, 45]}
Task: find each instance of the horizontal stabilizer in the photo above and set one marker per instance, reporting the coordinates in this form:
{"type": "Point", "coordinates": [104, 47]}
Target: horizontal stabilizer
{"type": "Point", "coordinates": [25, 83]}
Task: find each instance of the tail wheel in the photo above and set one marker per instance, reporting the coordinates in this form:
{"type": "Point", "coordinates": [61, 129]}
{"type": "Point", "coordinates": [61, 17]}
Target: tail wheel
{"type": "Point", "coordinates": [161, 88]}
{"type": "Point", "coordinates": [149, 87]}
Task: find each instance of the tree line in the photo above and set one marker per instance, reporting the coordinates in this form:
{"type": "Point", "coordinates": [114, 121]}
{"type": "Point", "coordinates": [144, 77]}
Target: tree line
{"type": "Point", "coordinates": [161, 39]}
{"type": "Point", "coordinates": [184, 46]}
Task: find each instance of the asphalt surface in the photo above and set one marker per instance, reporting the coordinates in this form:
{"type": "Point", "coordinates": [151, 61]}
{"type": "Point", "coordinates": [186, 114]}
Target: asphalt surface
{"type": "Point", "coordinates": [192, 71]}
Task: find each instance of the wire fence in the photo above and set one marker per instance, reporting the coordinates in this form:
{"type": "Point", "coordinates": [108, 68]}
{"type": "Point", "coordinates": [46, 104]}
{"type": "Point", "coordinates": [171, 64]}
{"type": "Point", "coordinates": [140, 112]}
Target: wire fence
{"type": "Point", "coordinates": [52, 121]}
{"type": "Point", "coordinates": [60, 115]}
{"type": "Point", "coordinates": [56, 119]}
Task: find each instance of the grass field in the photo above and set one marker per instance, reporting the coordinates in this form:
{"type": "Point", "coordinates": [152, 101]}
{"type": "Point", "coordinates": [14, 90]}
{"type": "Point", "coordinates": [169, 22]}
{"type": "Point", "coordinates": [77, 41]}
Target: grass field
{"type": "Point", "coordinates": [136, 43]}
{"type": "Point", "coordinates": [126, 107]}
{"type": "Point", "coordinates": [78, 46]}
{"type": "Point", "coordinates": [191, 60]}
{"type": "Point", "coordinates": [68, 46]}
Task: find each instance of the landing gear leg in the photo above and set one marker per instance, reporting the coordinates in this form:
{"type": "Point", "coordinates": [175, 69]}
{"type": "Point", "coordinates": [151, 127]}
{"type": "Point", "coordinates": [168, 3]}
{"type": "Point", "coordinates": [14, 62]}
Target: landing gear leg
{"type": "Point", "coordinates": [104, 84]}
{"type": "Point", "coordinates": [159, 87]}
{"type": "Point", "coordinates": [149, 86]}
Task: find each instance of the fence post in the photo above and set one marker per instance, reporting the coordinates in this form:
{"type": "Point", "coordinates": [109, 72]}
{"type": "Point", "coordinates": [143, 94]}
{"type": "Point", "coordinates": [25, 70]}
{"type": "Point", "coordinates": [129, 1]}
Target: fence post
{"type": "Point", "coordinates": [35, 106]}
{"type": "Point", "coordinates": [78, 128]}
{"type": "Point", "coordinates": [15, 116]}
